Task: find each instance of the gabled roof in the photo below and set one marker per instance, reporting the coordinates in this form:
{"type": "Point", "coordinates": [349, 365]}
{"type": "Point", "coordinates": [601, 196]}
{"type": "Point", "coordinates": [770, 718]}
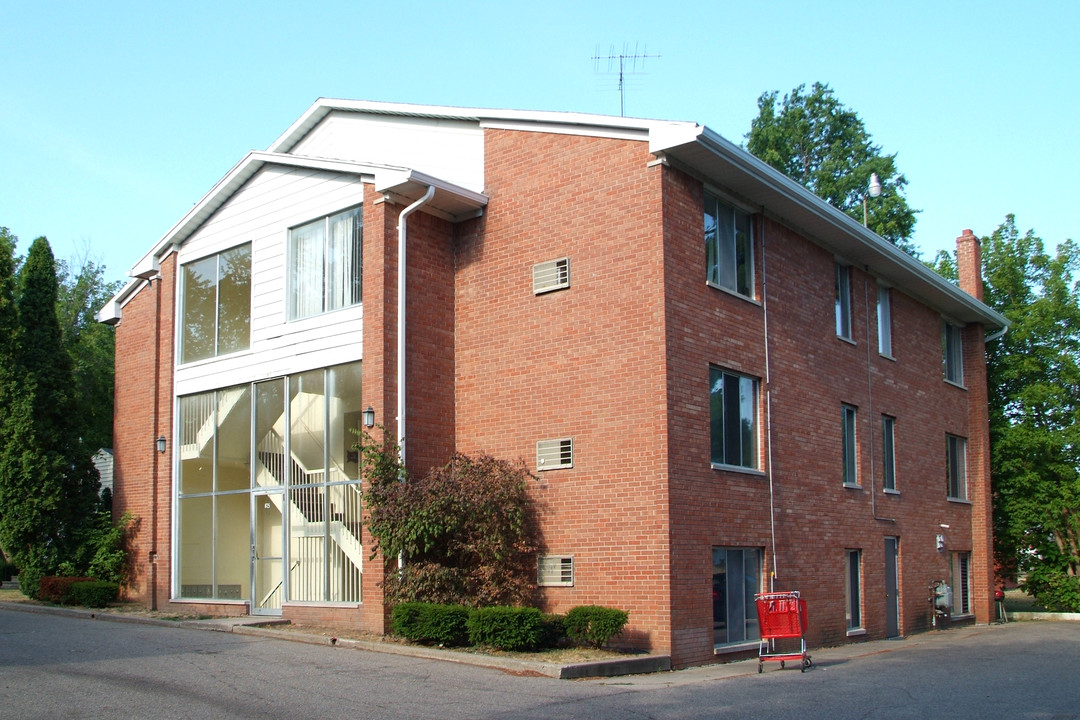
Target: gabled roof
{"type": "Point", "coordinates": [687, 145]}
{"type": "Point", "coordinates": [450, 201]}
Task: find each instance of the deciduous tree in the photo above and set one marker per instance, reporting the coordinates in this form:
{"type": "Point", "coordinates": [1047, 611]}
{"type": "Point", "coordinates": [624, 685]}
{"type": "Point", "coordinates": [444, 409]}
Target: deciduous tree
{"type": "Point", "coordinates": [816, 141]}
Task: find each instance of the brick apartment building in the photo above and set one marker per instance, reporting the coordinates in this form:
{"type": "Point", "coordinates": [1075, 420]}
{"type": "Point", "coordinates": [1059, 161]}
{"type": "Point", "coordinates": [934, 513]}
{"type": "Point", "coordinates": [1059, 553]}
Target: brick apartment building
{"type": "Point", "coordinates": [722, 384]}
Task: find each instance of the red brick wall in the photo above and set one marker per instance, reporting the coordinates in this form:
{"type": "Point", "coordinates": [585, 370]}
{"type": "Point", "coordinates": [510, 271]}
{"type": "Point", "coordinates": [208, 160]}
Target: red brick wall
{"type": "Point", "coordinates": [142, 476]}
{"type": "Point", "coordinates": [585, 362]}
{"type": "Point", "coordinates": [812, 374]}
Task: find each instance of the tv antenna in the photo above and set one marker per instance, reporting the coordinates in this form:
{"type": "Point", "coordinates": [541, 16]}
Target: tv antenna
{"type": "Point", "coordinates": [628, 65]}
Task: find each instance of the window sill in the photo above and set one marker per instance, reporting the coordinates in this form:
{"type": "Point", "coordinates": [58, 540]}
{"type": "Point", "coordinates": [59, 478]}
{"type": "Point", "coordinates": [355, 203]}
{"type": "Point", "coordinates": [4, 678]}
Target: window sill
{"type": "Point", "coordinates": [890, 491]}
{"type": "Point", "coordinates": [738, 469]}
{"type": "Point", "coordinates": [955, 384]}
{"type": "Point", "coordinates": [964, 616]}
{"type": "Point", "coordinates": [853, 486]}
{"type": "Point", "coordinates": [848, 340]}
{"type": "Point", "coordinates": [733, 293]}
{"type": "Point", "coordinates": [206, 601]}
{"type": "Point", "coordinates": [886, 356]}
{"type": "Point", "coordinates": [959, 501]}
{"type": "Point", "coordinates": [213, 359]}
{"type": "Point", "coordinates": [854, 632]}
{"type": "Point", "coordinates": [736, 647]}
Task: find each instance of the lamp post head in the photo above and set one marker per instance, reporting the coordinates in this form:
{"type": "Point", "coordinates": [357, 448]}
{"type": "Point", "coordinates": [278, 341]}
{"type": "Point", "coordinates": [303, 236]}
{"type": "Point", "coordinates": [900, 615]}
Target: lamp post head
{"type": "Point", "coordinates": [875, 185]}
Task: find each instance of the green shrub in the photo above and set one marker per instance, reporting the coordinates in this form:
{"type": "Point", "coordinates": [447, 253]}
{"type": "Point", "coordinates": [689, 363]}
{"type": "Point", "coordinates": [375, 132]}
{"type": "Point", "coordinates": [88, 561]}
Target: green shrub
{"type": "Point", "coordinates": [431, 624]}
{"type": "Point", "coordinates": [506, 628]}
{"type": "Point", "coordinates": [93, 594]}
{"type": "Point", "coordinates": [553, 631]}
{"type": "Point", "coordinates": [30, 581]}
{"type": "Point", "coordinates": [57, 589]}
{"type": "Point", "coordinates": [594, 625]}
{"type": "Point", "coordinates": [1053, 588]}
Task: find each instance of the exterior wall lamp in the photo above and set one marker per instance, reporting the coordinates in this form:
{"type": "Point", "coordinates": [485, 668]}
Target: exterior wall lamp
{"type": "Point", "coordinates": [369, 416]}
{"type": "Point", "coordinates": [161, 444]}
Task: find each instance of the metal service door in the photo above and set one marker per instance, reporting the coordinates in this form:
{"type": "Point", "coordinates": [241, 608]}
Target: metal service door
{"type": "Point", "coordinates": [267, 546]}
{"type": "Point", "coordinates": [892, 584]}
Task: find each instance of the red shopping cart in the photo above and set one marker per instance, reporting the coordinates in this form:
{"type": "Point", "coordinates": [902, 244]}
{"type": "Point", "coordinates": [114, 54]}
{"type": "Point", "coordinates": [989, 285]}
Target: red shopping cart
{"type": "Point", "coordinates": [782, 615]}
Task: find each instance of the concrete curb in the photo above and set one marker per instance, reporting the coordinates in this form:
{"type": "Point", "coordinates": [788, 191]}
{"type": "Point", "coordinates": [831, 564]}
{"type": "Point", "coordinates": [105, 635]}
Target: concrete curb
{"type": "Point", "coordinates": [1026, 616]}
{"type": "Point", "coordinates": [247, 625]}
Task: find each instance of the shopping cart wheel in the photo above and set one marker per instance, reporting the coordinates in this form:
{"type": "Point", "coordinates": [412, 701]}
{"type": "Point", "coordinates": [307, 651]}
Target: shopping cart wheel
{"type": "Point", "coordinates": [806, 664]}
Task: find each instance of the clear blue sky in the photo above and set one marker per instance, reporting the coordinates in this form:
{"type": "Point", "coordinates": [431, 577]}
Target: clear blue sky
{"type": "Point", "coordinates": [116, 117]}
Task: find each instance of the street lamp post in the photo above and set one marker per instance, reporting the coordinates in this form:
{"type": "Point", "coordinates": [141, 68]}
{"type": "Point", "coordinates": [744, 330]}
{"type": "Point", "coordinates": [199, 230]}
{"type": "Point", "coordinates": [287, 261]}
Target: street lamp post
{"type": "Point", "coordinates": [873, 190]}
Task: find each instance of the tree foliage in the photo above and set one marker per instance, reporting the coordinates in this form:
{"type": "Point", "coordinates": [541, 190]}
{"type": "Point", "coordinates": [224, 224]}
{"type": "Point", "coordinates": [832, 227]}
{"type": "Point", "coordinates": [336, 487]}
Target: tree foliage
{"type": "Point", "coordinates": [466, 530]}
{"type": "Point", "coordinates": [83, 290]}
{"type": "Point", "coordinates": [1033, 373]}
{"type": "Point", "coordinates": [816, 141]}
{"type": "Point", "coordinates": [48, 485]}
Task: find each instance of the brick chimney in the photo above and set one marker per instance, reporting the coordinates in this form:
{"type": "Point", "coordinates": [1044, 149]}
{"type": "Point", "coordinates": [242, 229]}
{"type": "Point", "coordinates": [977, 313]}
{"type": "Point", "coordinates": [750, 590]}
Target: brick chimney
{"type": "Point", "coordinates": [969, 264]}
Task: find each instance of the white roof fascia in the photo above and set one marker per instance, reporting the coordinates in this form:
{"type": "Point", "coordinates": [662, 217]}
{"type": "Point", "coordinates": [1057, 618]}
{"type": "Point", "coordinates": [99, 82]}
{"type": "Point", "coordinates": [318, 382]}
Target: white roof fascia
{"type": "Point", "coordinates": [795, 205]}
{"type": "Point", "coordinates": [565, 122]}
{"type": "Point", "coordinates": [451, 202]}
{"type": "Point", "coordinates": [148, 266]}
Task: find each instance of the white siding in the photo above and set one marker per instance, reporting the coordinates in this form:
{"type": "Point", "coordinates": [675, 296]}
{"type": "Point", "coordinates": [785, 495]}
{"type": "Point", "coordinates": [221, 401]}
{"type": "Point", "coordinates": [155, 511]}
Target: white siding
{"type": "Point", "coordinates": [451, 150]}
{"type": "Point", "coordinates": [275, 199]}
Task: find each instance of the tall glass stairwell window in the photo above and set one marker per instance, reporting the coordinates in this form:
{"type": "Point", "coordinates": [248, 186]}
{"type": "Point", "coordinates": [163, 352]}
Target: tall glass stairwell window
{"type": "Point", "coordinates": [288, 441]}
{"type": "Point", "coordinates": [306, 444]}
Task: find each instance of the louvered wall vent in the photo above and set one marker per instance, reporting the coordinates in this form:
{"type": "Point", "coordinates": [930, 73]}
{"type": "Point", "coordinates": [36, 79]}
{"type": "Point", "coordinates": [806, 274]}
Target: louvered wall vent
{"type": "Point", "coordinates": [555, 570]}
{"type": "Point", "coordinates": [551, 275]}
{"type": "Point", "coordinates": [554, 454]}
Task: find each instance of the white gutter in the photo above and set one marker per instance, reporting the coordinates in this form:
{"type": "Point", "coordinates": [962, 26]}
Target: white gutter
{"type": "Point", "coordinates": [401, 318]}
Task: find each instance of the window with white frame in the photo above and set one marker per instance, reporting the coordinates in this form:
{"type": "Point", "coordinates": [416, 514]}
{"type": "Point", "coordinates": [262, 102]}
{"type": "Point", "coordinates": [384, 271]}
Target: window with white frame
{"type": "Point", "coordinates": [853, 586]}
{"type": "Point", "coordinates": [961, 583]}
{"type": "Point", "coordinates": [736, 579]}
{"type": "Point", "coordinates": [848, 445]}
{"type": "Point", "coordinates": [729, 247]}
{"type": "Point", "coordinates": [215, 300]}
{"type": "Point", "coordinates": [952, 352]}
{"type": "Point", "coordinates": [956, 466]}
{"type": "Point", "coordinates": [884, 321]}
{"type": "Point", "coordinates": [733, 401]}
{"type": "Point", "coordinates": [888, 439]}
{"type": "Point", "coordinates": [326, 264]}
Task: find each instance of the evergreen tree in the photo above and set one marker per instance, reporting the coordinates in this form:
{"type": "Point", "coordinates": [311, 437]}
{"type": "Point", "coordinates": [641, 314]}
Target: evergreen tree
{"type": "Point", "coordinates": [48, 485]}
{"type": "Point", "coordinates": [816, 141]}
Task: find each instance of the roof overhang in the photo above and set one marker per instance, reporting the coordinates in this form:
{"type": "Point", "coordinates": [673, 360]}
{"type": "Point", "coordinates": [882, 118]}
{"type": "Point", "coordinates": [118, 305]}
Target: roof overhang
{"type": "Point", "coordinates": [396, 183]}
{"type": "Point", "coordinates": [709, 156]}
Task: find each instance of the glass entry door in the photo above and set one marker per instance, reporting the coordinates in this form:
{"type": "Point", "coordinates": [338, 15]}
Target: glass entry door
{"type": "Point", "coordinates": [267, 548]}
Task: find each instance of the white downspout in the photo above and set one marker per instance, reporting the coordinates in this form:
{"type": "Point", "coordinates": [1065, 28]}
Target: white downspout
{"type": "Point", "coordinates": [401, 318]}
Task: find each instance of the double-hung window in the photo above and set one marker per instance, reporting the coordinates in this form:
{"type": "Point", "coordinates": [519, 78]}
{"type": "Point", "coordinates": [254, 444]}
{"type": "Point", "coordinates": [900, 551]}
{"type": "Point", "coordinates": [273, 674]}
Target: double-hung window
{"type": "Point", "coordinates": [884, 321]}
{"type": "Point", "coordinates": [853, 585]}
{"type": "Point", "coordinates": [955, 466]}
{"type": "Point", "coordinates": [733, 422]}
{"type": "Point", "coordinates": [952, 351]}
{"type": "Point", "coordinates": [215, 295]}
{"type": "Point", "coordinates": [843, 301]}
{"type": "Point", "coordinates": [326, 264]}
{"type": "Point", "coordinates": [729, 247]}
{"type": "Point", "coordinates": [961, 583]}
{"type": "Point", "coordinates": [736, 579]}
{"type": "Point", "coordinates": [888, 439]}
{"type": "Point", "coordinates": [848, 446]}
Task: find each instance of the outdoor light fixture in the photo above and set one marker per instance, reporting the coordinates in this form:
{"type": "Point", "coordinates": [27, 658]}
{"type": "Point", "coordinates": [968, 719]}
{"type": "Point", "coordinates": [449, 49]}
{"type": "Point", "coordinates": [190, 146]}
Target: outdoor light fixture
{"type": "Point", "coordinates": [873, 190]}
{"type": "Point", "coordinates": [369, 416]}
{"type": "Point", "coordinates": [161, 444]}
